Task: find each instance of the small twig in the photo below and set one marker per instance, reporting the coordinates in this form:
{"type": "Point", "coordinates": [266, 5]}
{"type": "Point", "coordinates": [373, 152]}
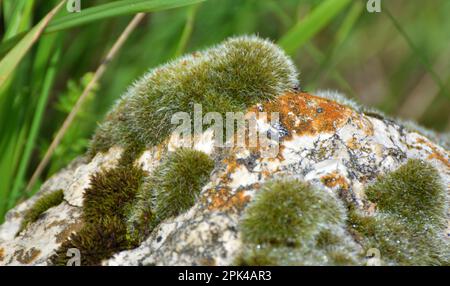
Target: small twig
{"type": "Point", "coordinates": [69, 119]}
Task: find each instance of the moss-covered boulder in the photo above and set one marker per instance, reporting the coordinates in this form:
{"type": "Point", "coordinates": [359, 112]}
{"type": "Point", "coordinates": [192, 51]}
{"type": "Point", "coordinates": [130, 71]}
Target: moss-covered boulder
{"type": "Point", "coordinates": [346, 186]}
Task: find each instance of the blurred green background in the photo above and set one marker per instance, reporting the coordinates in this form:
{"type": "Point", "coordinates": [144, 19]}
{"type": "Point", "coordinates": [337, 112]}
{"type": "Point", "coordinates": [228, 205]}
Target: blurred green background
{"type": "Point", "coordinates": [397, 60]}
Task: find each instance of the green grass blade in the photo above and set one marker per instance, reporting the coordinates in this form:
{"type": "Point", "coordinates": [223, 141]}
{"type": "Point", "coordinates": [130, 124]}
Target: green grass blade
{"type": "Point", "coordinates": [187, 31]}
{"type": "Point", "coordinates": [21, 16]}
{"type": "Point", "coordinates": [305, 29]}
{"type": "Point", "coordinates": [8, 167]}
{"type": "Point", "coordinates": [113, 9]}
{"type": "Point", "coordinates": [329, 62]}
{"type": "Point", "coordinates": [101, 12]}
{"type": "Point", "coordinates": [348, 23]}
{"type": "Point", "coordinates": [416, 50]}
{"type": "Point", "coordinates": [36, 120]}
{"type": "Point", "coordinates": [13, 58]}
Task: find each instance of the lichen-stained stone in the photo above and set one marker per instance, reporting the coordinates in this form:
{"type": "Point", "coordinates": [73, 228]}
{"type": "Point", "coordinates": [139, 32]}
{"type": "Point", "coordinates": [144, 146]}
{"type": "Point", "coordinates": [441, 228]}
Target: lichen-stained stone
{"type": "Point", "coordinates": [330, 145]}
{"type": "Point", "coordinates": [38, 241]}
{"type": "Point", "coordinates": [60, 181]}
{"type": "Point", "coordinates": [327, 144]}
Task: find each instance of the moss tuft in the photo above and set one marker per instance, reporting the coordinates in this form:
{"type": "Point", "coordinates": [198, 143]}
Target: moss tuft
{"type": "Point", "coordinates": [228, 77]}
{"type": "Point", "coordinates": [287, 212]}
{"type": "Point", "coordinates": [106, 203]}
{"type": "Point", "coordinates": [40, 206]}
{"type": "Point", "coordinates": [413, 191]}
{"type": "Point", "coordinates": [409, 225]}
{"type": "Point", "coordinates": [171, 189]}
{"type": "Point", "coordinates": [179, 180]}
{"type": "Point", "coordinates": [292, 223]}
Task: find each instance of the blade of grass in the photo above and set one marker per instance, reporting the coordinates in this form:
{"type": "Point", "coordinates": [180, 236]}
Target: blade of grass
{"type": "Point", "coordinates": [104, 11]}
{"type": "Point", "coordinates": [424, 93]}
{"type": "Point", "coordinates": [305, 29]}
{"type": "Point", "coordinates": [343, 32]}
{"type": "Point", "coordinates": [418, 52]}
{"type": "Point", "coordinates": [14, 128]}
{"type": "Point", "coordinates": [281, 14]}
{"type": "Point", "coordinates": [20, 18]}
{"type": "Point", "coordinates": [13, 58]}
{"type": "Point", "coordinates": [113, 9]}
{"type": "Point", "coordinates": [7, 166]}
{"type": "Point", "coordinates": [36, 121]}
{"type": "Point", "coordinates": [6, 10]}
{"type": "Point", "coordinates": [98, 74]}
{"type": "Point", "coordinates": [348, 24]}
{"type": "Point", "coordinates": [187, 31]}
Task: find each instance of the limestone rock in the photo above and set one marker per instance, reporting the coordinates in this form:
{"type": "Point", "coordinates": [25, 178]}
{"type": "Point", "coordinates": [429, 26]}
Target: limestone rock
{"type": "Point", "coordinates": [332, 146]}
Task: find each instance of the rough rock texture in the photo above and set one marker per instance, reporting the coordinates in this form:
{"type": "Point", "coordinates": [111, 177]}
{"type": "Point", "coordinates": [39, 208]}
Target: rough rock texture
{"type": "Point", "coordinates": [325, 143]}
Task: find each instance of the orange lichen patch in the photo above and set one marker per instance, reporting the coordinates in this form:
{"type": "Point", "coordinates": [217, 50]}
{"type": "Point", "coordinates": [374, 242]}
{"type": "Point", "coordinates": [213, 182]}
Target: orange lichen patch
{"type": "Point", "coordinates": [232, 165]}
{"type": "Point", "coordinates": [28, 256]}
{"type": "Point", "coordinates": [2, 254]}
{"type": "Point", "coordinates": [306, 114]}
{"type": "Point", "coordinates": [334, 179]}
{"type": "Point", "coordinates": [436, 154]}
{"type": "Point", "coordinates": [223, 199]}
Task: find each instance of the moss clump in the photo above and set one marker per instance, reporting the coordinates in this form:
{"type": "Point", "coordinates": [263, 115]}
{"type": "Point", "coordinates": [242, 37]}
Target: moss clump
{"type": "Point", "coordinates": [413, 191]}
{"type": "Point", "coordinates": [228, 77]}
{"type": "Point", "coordinates": [171, 189]}
{"type": "Point", "coordinates": [179, 180]}
{"type": "Point", "coordinates": [409, 225]}
{"type": "Point", "coordinates": [40, 206]}
{"type": "Point", "coordinates": [106, 203]}
{"type": "Point", "coordinates": [292, 223]}
{"type": "Point", "coordinates": [288, 211]}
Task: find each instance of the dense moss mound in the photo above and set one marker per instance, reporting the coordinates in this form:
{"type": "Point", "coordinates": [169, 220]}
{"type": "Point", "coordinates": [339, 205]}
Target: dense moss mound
{"type": "Point", "coordinates": [170, 190]}
{"type": "Point", "coordinates": [293, 223]}
{"type": "Point", "coordinates": [105, 205]}
{"type": "Point", "coordinates": [409, 225]}
{"type": "Point", "coordinates": [413, 192]}
{"type": "Point", "coordinates": [228, 77]}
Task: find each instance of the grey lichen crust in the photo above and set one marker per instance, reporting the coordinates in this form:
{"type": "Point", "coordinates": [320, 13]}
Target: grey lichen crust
{"type": "Point", "coordinates": [347, 183]}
